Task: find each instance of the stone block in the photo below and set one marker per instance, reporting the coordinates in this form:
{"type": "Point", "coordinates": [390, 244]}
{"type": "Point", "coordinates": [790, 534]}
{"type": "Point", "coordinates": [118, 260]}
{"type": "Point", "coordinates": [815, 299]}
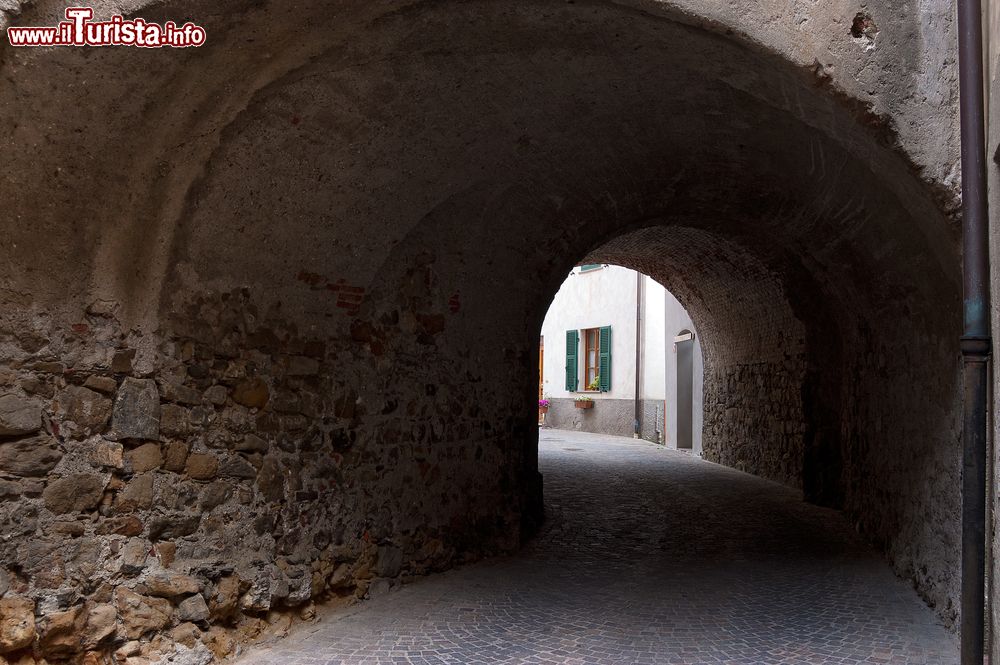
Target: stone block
{"type": "Point", "coordinates": [40, 387]}
{"type": "Point", "coordinates": [187, 634]}
{"type": "Point", "coordinates": [175, 456]}
{"type": "Point", "coordinates": [270, 480]}
{"type": "Point", "coordinates": [237, 467]}
{"type": "Point", "coordinates": [202, 466]}
{"type": "Point", "coordinates": [193, 609]}
{"type": "Point", "coordinates": [74, 493]}
{"type": "Point", "coordinates": [19, 415]}
{"type": "Point", "coordinates": [215, 494]}
{"type": "Point", "coordinates": [217, 395]}
{"type": "Point", "coordinates": [101, 625]}
{"type": "Point", "coordinates": [61, 633]}
{"type": "Point", "coordinates": [168, 527]}
{"type": "Point", "coordinates": [176, 392]}
{"type": "Point", "coordinates": [174, 420]}
{"type": "Point", "coordinates": [33, 457]}
{"type": "Point", "coordinates": [127, 650]}
{"type": "Point", "coordinates": [258, 597]}
{"type": "Point", "coordinates": [10, 489]}
{"type": "Point", "coordinates": [299, 591]}
{"type": "Point", "coordinates": [137, 494]}
{"type": "Point", "coordinates": [252, 443]}
{"type": "Point", "coordinates": [167, 553]}
{"type": "Point", "coordinates": [134, 555]}
{"type": "Point", "coordinates": [140, 614]}
{"type": "Point", "coordinates": [128, 525]}
{"type": "Point", "coordinates": [102, 384]}
{"type": "Point", "coordinates": [169, 584]}
{"type": "Point", "coordinates": [145, 458]}
{"type": "Point", "coordinates": [136, 410]}
{"type": "Point", "coordinates": [104, 308]}
{"type": "Point", "coordinates": [17, 623]}
{"type": "Point", "coordinates": [121, 363]}
{"type": "Point", "coordinates": [223, 601]}
{"type": "Point", "coordinates": [108, 454]}
{"type": "Point", "coordinates": [48, 367]}
{"type": "Point", "coordinates": [83, 406]}
{"type": "Point", "coordinates": [251, 393]}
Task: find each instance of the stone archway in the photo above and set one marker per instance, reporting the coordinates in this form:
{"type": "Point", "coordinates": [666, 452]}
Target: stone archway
{"type": "Point", "coordinates": [276, 306]}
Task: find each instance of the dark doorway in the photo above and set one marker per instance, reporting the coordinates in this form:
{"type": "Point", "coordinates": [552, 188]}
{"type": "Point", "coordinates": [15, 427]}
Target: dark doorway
{"type": "Point", "coordinates": [684, 345]}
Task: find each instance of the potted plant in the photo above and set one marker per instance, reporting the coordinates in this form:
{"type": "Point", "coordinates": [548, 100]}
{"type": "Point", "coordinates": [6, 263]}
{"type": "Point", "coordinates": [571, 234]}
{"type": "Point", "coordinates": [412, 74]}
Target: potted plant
{"type": "Point", "coordinates": [595, 383]}
{"type": "Point", "coordinates": [583, 403]}
{"type": "Point", "coordinates": [543, 405]}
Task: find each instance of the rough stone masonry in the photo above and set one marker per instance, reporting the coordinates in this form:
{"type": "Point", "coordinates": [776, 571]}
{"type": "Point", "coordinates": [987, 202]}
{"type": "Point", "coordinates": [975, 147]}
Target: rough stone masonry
{"type": "Point", "coordinates": [269, 307]}
{"type": "Point", "coordinates": [149, 510]}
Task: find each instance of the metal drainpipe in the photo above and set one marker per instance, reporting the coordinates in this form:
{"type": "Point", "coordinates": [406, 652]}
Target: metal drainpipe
{"type": "Point", "coordinates": [638, 355]}
{"type": "Point", "coordinates": [976, 339]}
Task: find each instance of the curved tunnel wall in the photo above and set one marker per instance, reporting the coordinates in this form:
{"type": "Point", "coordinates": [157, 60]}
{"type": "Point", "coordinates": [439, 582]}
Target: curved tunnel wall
{"type": "Point", "coordinates": [271, 315]}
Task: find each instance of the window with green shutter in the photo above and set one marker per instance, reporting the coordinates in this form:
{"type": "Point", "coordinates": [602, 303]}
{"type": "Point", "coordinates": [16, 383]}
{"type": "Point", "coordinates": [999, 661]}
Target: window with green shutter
{"type": "Point", "coordinates": [605, 371]}
{"type": "Point", "coordinates": [597, 359]}
{"type": "Point", "coordinates": [572, 369]}
{"type": "Point", "coordinates": [587, 267]}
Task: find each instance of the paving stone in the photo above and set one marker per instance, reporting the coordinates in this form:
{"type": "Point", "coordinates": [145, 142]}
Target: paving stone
{"type": "Point", "coordinates": [647, 556]}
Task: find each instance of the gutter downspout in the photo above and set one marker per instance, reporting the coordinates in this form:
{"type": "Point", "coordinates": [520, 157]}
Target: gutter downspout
{"type": "Point", "coordinates": [637, 433]}
{"type": "Point", "coordinates": [976, 341]}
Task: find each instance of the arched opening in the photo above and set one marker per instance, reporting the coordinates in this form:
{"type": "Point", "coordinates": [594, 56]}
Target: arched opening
{"type": "Point", "coordinates": [325, 261]}
{"type": "Point", "coordinates": [622, 359]}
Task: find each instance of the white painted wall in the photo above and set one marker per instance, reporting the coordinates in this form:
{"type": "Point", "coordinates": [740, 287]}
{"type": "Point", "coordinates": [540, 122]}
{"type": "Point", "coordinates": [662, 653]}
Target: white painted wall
{"type": "Point", "coordinates": [592, 299]}
{"type": "Point", "coordinates": [606, 297]}
{"type": "Point", "coordinates": [654, 352]}
{"type": "Point", "coordinates": [676, 319]}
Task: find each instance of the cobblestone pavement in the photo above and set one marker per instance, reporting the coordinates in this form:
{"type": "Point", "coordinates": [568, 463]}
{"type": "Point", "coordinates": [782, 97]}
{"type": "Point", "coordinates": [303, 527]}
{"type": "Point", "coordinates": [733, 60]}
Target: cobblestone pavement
{"type": "Point", "coordinates": [648, 556]}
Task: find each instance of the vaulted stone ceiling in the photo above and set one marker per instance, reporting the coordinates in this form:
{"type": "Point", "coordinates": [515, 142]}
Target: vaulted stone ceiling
{"type": "Point", "coordinates": [319, 249]}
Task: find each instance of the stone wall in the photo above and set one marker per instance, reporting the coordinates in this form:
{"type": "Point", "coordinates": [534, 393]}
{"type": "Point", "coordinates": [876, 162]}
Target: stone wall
{"type": "Point", "coordinates": [162, 496]}
{"type": "Point", "coordinates": [608, 416]}
{"type": "Point", "coordinates": [754, 420]}
{"type": "Point", "coordinates": [753, 346]}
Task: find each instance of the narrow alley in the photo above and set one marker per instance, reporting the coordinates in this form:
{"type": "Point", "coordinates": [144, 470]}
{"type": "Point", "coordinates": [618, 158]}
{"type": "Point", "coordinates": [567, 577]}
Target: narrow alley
{"type": "Point", "coordinates": [648, 556]}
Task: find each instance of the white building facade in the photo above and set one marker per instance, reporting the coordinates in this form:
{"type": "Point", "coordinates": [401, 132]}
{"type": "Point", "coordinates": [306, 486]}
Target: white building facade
{"type": "Point", "coordinates": [621, 356]}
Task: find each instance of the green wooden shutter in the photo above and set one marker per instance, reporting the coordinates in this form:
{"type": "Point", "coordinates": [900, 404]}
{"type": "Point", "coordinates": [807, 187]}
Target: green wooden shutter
{"type": "Point", "coordinates": [605, 366]}
{"type": "Point", "coordinates": [572, 351]}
